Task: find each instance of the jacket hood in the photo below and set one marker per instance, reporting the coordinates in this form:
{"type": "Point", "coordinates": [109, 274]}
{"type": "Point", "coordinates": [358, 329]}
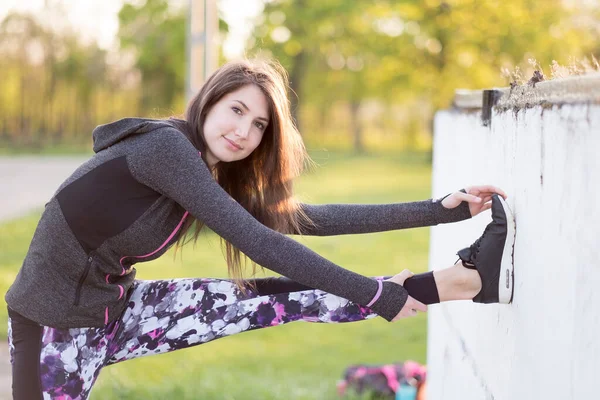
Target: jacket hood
{"type": "Point", "coordinates": [107, 135]}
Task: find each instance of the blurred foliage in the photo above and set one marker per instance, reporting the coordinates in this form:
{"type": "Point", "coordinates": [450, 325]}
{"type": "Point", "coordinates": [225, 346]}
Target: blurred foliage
{"type": "Point", "coordinates": [364, 75]}
{"type": "Point", "coordinates": [55, 88]}
{"type": "Point", "coordinates": [158, 41]}
{"type": "Point", "coordinates": [388, 65]}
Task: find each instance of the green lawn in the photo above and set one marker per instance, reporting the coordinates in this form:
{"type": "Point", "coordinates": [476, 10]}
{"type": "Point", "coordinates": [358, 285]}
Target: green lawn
{"type": "Point", "coordinates": [297, 361]}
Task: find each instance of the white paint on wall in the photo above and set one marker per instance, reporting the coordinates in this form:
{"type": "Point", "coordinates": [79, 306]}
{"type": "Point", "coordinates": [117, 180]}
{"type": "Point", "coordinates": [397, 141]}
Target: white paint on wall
{"type": "Point", "coordinates": [546, 344]}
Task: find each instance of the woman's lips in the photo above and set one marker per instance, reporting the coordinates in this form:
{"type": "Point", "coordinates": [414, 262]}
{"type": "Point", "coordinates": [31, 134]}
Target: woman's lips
{"type": "Point", "coordinates": [232, 144]}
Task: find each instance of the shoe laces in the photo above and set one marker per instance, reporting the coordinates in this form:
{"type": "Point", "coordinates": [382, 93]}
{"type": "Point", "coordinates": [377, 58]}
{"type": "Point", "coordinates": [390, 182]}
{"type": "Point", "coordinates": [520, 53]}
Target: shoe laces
{"type": "Point", "coordinates": [474, 248]}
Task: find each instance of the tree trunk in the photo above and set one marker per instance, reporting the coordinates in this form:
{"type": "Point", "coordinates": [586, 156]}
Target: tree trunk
{"type": "Point", "coordinates": [22, 128]}
{"type": "Point", "coordinates": [296, 76]}
{"type": "Point", "coordinates": [356, 127]}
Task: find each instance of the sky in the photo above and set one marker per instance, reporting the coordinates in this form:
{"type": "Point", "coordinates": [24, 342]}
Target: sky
{"type": "Point", "coordinates": [97, 19]}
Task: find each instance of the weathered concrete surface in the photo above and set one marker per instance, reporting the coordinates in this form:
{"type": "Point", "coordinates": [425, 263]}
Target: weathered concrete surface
{"type": "Point", "coordinates": [26, 184]}
{"type": "Point", "coordinates": [546, 344]}
{"type": "Point", "coordinates": [575, 89]}
{"type": "Point", "coordinates": [572, 89]}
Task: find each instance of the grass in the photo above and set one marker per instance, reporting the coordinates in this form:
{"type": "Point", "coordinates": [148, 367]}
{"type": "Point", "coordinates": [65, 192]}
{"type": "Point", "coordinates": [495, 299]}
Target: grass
{"type": "Point", "coordinates": [296, 361]}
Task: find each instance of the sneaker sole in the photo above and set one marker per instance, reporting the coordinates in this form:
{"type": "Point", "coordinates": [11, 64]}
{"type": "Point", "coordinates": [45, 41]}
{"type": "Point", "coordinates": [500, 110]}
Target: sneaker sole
{"type": "Point", "coordinates": [506, 279]}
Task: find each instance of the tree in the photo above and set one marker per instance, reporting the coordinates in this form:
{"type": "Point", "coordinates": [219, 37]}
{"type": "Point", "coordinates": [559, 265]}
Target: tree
{"type": "Point", "coordinates": [52, 83]}
{"type": "Point", "coordinates": [155, 33]}
{"type": "Point", "coordinates": [415, 53]}
{"type": "Point", "coordinates": [156, 36]}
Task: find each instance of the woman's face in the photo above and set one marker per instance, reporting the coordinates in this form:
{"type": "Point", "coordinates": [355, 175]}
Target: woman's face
{"type": "Point", "coordinates": [235, 125]}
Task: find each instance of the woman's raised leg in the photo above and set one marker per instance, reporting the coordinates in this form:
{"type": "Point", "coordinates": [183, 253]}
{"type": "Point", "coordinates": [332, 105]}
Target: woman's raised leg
{"type": "Point", "coordinates": [168, 315]}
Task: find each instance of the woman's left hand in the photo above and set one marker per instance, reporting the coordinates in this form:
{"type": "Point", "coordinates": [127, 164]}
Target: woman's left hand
{"type": "Point", "coordinates": [478, 197]}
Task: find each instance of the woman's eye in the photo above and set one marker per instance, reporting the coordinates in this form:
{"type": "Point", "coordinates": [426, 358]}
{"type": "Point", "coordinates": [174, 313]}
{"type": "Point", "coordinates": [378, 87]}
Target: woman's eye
{"type": "Point", "coordinates": [259, 125]}
{"type": "Point", "coordinates": [236, 110]}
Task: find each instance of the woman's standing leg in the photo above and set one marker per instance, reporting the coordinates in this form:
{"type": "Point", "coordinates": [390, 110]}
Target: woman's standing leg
{"type": "Point", "coordinates": [168, 315]}
{"type": "Point", "coordinates": [51, 363]}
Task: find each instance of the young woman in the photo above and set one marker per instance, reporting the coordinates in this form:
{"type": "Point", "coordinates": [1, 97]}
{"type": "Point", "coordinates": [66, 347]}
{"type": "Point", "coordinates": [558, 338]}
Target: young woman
{"type": "Point", "coordinates": [75, 306]}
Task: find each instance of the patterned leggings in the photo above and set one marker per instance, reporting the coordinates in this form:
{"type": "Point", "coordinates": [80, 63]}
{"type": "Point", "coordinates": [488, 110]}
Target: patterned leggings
{"type": "Point", "coordinates": [163, 316]}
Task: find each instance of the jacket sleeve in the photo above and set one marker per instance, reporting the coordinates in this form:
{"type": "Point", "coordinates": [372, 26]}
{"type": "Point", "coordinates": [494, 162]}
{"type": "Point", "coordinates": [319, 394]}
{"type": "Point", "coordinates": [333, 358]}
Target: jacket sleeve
{"type": "Point", "coordinates": [167, 162]}
{"type": "Point", "coordinates": [344, 219]}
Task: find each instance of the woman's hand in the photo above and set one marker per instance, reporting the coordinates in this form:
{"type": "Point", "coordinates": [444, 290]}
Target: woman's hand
{"type": "Point", "coordinates": [478, 197]}
{"type": "Point", "coordinates": [412, 306]}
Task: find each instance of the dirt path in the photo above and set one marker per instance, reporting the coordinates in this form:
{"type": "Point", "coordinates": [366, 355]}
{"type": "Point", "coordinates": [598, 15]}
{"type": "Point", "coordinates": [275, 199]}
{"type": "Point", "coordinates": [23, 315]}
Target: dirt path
{"type": "Point", "coordinates": [26, 184]}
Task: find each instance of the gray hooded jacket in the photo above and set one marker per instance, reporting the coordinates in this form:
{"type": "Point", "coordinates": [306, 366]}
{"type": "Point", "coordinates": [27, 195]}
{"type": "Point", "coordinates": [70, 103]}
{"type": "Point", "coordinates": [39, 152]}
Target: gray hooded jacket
{"type": "Point", "coordinates": [127, 204]}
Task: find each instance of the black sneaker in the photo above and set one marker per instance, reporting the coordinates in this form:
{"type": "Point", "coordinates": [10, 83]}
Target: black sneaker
{"type": "Point", "coordinates": [492, 255]}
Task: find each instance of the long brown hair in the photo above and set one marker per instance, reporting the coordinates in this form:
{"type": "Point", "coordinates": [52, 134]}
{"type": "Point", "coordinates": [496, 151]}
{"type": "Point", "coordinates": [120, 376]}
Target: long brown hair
{"type": "Point", "coordinates": [262, 182]}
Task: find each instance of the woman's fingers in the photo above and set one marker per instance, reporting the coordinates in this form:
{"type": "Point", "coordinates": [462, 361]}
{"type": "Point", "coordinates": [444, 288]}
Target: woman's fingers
{"type": "Point", "coordinates": [401, 277]}
{"type": "Point", "coordinates": [486, 190]}
{"type": "Point", "coordinates": [410, 309]}
{"type": "Point", "coordinates": [471, 198]}
{"type": "Point", "coordinates": [416, 305]}
{"type": "Point", "coordinates": [412, 306]}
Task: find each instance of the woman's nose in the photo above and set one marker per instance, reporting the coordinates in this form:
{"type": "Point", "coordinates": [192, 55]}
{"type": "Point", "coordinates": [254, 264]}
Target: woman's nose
{"type": "Point", "coordinates": [242, 131]}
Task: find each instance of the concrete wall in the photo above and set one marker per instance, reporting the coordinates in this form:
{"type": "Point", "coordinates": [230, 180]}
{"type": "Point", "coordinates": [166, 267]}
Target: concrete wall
{"type": "Point", "coordinates": [546, 344]}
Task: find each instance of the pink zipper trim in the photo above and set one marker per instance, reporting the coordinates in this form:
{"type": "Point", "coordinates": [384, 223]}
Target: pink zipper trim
{"type": "Point", "coordinates": [163, 245]}
{"type": "Point", "coordinates": [121, 290]}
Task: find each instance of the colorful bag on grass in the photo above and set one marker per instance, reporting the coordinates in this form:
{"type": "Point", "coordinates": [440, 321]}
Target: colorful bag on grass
{"type": "Point", "coordinates": [393, 381]}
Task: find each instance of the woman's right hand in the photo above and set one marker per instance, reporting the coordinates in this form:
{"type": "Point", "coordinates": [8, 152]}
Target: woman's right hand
{"type": "Point", "coordinates": [411, 306]}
